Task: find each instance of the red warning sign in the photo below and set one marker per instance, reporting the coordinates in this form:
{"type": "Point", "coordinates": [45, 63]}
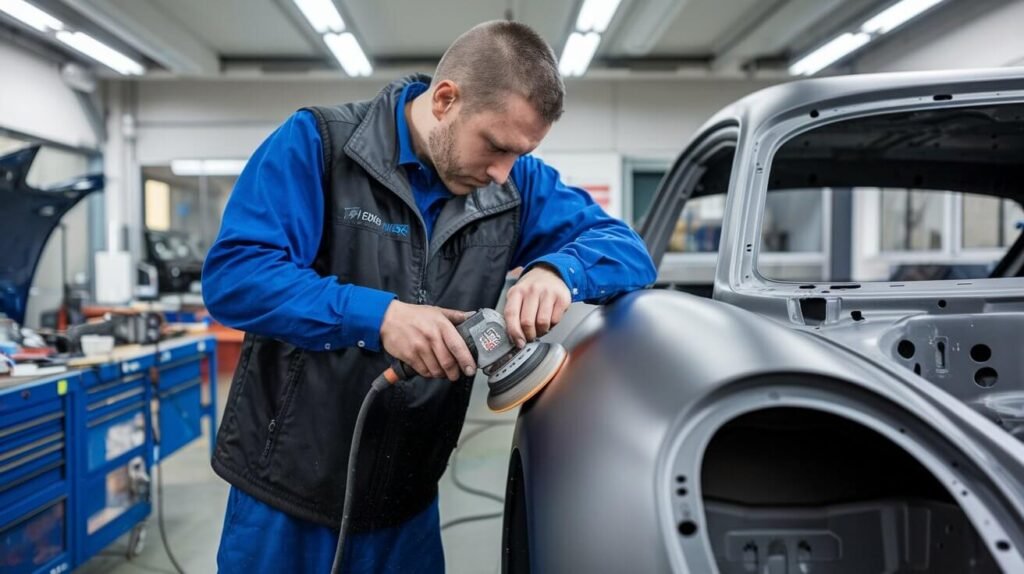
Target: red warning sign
{"type": "Point", "coordinates": [602, 194]}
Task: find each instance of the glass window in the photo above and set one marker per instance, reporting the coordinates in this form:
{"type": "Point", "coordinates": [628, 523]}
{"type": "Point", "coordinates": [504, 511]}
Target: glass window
{"type": "Point", "coordinates": [989, 222]}
{"type": "Point", "coordinates": [158, 205]}
{"type": "Point", "coordinates": [645, 183]}
{"type": "Point", "coordinates": [190, 205]}
{"type": "Point", "coordinates": [182, 217]}
{"type": "Point", "coordinates": [912, 220]}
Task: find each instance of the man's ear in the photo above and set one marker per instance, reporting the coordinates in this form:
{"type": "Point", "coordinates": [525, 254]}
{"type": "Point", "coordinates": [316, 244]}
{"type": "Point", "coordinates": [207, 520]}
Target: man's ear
{"type": "Point", "coordinates": [446, 99]}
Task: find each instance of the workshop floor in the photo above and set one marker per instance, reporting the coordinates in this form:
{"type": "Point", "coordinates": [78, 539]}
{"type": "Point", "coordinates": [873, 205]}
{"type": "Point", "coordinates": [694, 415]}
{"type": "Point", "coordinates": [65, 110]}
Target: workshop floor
{"type": "Point", "coordinates": [195, 498]}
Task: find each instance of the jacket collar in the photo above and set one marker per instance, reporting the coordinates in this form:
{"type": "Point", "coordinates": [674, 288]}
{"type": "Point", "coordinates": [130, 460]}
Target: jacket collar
{"type": "Point", "coordinates": [374, 145]}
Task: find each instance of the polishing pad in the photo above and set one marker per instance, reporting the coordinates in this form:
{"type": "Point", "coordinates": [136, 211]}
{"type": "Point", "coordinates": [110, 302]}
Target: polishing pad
{"type": "Point", "coordinates": [524, 375]}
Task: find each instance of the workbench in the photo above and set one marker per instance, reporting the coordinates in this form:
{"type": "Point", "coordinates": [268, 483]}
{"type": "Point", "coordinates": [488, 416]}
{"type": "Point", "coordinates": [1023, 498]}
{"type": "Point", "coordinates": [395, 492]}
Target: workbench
{"type": "Point", "coordinates": [77, 448]}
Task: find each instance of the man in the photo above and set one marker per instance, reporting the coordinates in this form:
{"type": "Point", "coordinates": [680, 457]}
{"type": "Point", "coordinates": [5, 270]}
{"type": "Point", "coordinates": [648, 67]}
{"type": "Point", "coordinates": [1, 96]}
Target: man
{"type": "Point", "coordinates": [363, 231]}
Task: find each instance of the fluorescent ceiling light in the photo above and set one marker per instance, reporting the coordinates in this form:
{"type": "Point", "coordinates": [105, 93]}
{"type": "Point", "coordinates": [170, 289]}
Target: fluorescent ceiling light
{"type": "Point", "coordinates": [595, 15]}
{"type": "Point", "coordinates": [30, 15]}
{"type": "Point", "coordinates": [346, 50]}
{"type": "Point", "coordinates": [826, 55]}
{"type": "Point", "coordinates": [101, 52]}
{"type": "Point", "coordinates": [579, 50]}
{"type": "Point", "coordinates": [207, 166]}
{"type": "Point", "coordinates": [895, 15]}
{"type": "Point", "coordinates": [323, 15]}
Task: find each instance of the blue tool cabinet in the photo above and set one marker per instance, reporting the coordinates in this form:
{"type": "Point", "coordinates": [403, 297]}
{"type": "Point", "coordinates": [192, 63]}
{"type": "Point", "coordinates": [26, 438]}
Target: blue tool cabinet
{"type": "Point", "coordinates": [180, 405]}
{"type": "Point", "coordinates": [35, 475]}
{"type": "Point", "coordinates": [114, 446]}
{"type": "Point", "coordinates": [77, 449]}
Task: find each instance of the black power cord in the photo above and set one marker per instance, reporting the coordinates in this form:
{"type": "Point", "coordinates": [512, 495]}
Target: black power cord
{"type": "Point", "coordinates": [154, 375]}
{"type": "Point", "coordinates": [160, 520]}
{"type": "Point", "coordinates": [379, 384]}
{"type": "Point", "coordinates": [398, 371]}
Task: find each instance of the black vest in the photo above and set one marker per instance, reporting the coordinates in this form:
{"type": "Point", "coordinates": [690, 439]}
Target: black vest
{"type": "Point", "coordinates": [290, 413]}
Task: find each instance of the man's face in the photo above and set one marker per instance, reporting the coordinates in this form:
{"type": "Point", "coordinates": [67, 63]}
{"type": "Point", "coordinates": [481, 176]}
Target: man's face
{"type": "Point", "coordinates": [473, 149]}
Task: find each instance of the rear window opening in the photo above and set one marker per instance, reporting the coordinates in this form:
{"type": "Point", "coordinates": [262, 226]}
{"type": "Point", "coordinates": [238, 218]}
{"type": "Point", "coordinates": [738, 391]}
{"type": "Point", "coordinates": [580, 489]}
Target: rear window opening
{"type": "Point", "coordinates": [932, 194]}
{"type": "Point", "coordinates": [797, 490]}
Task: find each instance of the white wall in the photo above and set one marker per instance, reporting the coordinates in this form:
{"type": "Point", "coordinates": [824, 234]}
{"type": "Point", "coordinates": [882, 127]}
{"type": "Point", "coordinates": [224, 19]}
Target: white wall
{"type": "Point", "coordinates": [225, 119]}
{"type": "Point", "coordinates": [35, 101]}
{"type": "Point", "coordinates": [604, 122]}
{"type": "Point", "coordinates": [598, 173]}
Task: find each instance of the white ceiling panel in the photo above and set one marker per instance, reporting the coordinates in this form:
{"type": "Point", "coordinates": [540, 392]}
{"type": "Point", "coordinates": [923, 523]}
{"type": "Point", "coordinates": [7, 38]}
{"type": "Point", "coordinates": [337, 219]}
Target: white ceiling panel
{"type": "Point", "coordinates": [701, 25]}
{"type": "Point", "coordinates": [407, 27]}
{"type": "Point", "coordinates": [239, 27]}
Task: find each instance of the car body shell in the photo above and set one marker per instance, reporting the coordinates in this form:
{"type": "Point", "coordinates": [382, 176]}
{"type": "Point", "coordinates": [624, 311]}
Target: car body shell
{"type": "Point", "coordinates": [607, 462]}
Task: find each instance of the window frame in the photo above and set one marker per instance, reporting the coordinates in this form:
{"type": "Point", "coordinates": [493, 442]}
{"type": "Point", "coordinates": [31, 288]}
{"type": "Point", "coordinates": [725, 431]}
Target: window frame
{"type": "Point", "coordinates": [740, 272]}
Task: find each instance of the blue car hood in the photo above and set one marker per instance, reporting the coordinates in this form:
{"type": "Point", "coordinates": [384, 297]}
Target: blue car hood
{"type": "Point", "coordinates": [27, 218]}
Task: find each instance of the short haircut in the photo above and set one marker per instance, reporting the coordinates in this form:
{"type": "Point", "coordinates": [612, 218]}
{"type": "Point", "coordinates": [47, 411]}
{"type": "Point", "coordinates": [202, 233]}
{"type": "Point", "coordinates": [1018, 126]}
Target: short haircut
{"type": "Point", "coordinates": [500, 57]}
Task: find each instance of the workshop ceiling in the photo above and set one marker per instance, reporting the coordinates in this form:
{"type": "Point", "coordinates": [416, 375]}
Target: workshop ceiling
{"type": "Point", "coordinates": [237, 27]}
{"type": "Point", "coordinates": [211, 38]}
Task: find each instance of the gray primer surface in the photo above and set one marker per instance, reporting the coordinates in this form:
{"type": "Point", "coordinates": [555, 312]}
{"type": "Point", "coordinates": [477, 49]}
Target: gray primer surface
{"type": "Point", "coordinates": [653, 376]}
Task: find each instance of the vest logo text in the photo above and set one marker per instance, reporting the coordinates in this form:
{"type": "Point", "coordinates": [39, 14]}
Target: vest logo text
{"type": "Point", "coordinates": [358, 214]}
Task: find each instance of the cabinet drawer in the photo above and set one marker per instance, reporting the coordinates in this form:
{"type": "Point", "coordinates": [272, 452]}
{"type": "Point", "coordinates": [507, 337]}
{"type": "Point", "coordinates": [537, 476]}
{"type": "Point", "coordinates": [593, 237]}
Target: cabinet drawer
{"type": "Point", "coordinates": [179, 372]}
{"type": "Point", "coordinates": [179, 414]}
{"type": "Point", "coordinates": [36, 541]}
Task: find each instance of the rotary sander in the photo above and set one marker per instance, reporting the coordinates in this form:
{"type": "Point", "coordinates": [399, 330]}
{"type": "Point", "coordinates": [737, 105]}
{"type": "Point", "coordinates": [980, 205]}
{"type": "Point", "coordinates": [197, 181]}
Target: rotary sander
{"type": "Point", "coordinates": [514, 376]}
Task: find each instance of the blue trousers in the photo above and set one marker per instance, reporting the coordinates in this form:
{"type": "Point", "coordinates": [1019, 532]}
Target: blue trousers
{"type": "Point", "coordinates": [258, 538]}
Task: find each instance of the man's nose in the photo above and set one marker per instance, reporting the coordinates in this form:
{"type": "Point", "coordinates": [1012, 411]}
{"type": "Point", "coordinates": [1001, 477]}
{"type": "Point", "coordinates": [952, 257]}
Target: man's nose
{"type": "Point", "coordinates": [498, 172]}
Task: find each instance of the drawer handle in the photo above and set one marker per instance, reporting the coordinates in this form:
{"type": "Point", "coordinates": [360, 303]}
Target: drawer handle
{"type": "Point", "coordinates": [34, 456]}
{"type": "Point", "coordinates": [113, 399]}
{"type": "Point", "coordinates": [30, 423]}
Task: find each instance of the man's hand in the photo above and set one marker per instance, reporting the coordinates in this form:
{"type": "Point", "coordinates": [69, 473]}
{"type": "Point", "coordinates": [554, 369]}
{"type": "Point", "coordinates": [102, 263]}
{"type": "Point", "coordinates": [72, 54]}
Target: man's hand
{"type": "Point", "coordinates": [535, 304]}
{"type": "Point", "coordinates": [425, 338]}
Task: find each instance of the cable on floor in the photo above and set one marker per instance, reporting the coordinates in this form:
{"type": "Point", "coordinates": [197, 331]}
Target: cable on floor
{"type": "Point", "coordinates": [485, 425]}
{"type": "Point", "coordinates": [160, 518]}
{"type": "Point", "coordinates": [158, 468]}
